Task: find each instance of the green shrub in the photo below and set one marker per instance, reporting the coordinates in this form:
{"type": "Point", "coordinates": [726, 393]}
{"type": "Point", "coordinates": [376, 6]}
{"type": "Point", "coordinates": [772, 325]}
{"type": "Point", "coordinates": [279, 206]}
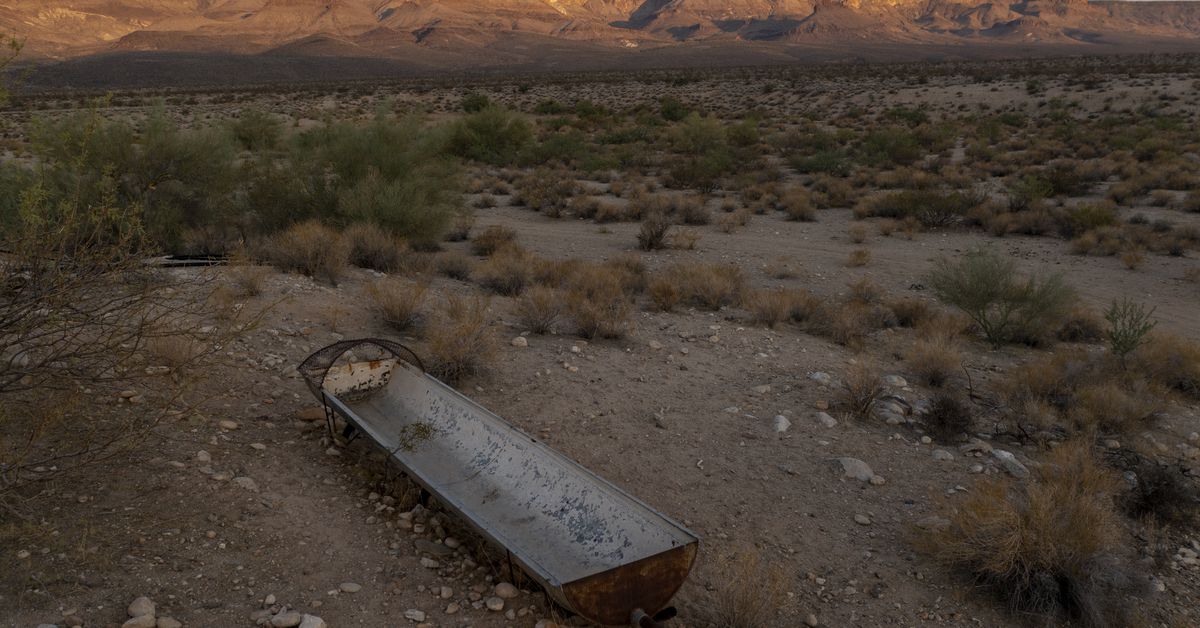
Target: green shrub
{"type": "Point", "coordinates": [256, 130]}
{"type": "Point", "coordinates": [408, 207]}
{"type": "Point", "coordinates": [474, 102]}
{"type": "Point", "coordinates": [493, 135]}
{"type": "Point", "coordinates": [933, 208]}
{"type": "Point", "coordinates": [312, 249]}
{"type": "Point", "coordinates": [1007, 308]}
{"type": "Point", "coordinates": [889, 146]}
{"type": "Point", "coordinates": [1087, 216]}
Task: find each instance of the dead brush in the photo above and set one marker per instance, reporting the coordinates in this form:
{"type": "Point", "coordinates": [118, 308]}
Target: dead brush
{"type": "Point", "coordinates": [459, 339]}
{"type": "Point", "coordinates": [797, 205]}
{"type": "Point", "coordinates": [664, 293]}
{"type": "Point", "coordinates": [248, 280]}
{"type": "Point", "coordinates": [753, 593]}
{"type": "Point", "coordinates": [631, 271]}
{"type": "Point", "coordinates": [598, 304]}
{"type": "Point", "coordinates": [1052, 546]}
{"type": "Point", "coordinates": [455, 266]}
{"type": "Point", "coordinates": [861, 388]}
{"type": "Point", "coordinates": [910, 311]}
{"type": "Point", "coordinates": [708, 286]}
{"type": "Point", "coordinates": [1110, 407]}
{"type": "Point", "coordinates": [685, 239]}
{"type": "Point", "coordinates": [492, 239]}
{"type": "Point", "coordinates": [506, 272]}
{"type": "Point", "coordinates": [373, 248]}
{"type": "Point", "coordinates": [176, 350]}
{"type": "Point", "coordinates": [936, 359]}
{"type": "Point", "coordinates": [653, 233]}
{"type": "Point", "coordinates": [769, 307]}
{"type": "Point", "coordinates": [858, 258]}
{"type": "Point", "coordinates": [730, 222]}
{"type": "Point", "coordinates": [1171, 361]}
{"type": "Point", "coordinates": [397, 302]}
{"type": "Point", "coordinates": [460, 229]}
{"type": "Point", "coordinates": [948, 418]}
{"type": "Point", "coordinates": [1162, 493]}
{"type": "Point", "coordinates": [312, 249]}
{"type": "Point", "coordinates": [540, 308]}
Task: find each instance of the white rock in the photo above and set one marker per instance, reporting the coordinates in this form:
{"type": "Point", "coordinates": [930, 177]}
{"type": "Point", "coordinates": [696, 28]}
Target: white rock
{"type": "Point", "coordinates": [895, 381]}
{"type": "Point", "coordinates": [226, 424]}
{"type": "Point", "coordinates": [311, 621]}
{"type": "Point", "coordinates": [494, 604]}
{"type": "Point", "coordinates": [141, 606]}
{"type": "Point", "coordinates": [520, 342]}
{"type": "Point", "coordinates": [821, 378]}
{"type": "Point", "coordinates": [825, 419]}
{"type": "Point", "coordinates": [168, 622]}
{"type": "Point", "coordinates": [762, 389]}
{"type": "Point", "coordinates": [246, 483]}
{"type": "Point", "coordinates": [506, 591]}
{"type": "Point", "coordinates": [862, 520]}
{"type": "Point", "coordinates": [350, 587]}
{"type": "Point", "coordinates": [287, 619]}
{"type": "Point", "coordinates": [413, 614]}
{"type": "Point", "coordinates": [942, 455]}
{"type": "Point", "coordinates": [1010, 463]}
{"type": "Point", "coordinates": [782, 423]}
{"type": "Point", "coordinates": [857, 469]}
{"type": "Point", "coordinates": [203, 457]}
{"type": "Point", "coordinates": [142, 621]}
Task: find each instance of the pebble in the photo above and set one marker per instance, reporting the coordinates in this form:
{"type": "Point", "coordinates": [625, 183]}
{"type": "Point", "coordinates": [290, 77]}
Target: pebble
{"type": "Point", "coordinates": [269, 600]}
{"type": "Point", "coordinates": [413, 614]}
{"type": "Point", "coordinates": [22, 554]}
{"type": "Point", "coordinates": [933, 522]}
{"type": "Point", "coordinates": [311, 621]}
{"type": "Point", "coordinates": [811, 620]}
{"type": "Point", "coordinates": [168, 622]}
{"type": "Point", "coordinates": [287, 619]}
{"type": "Point", "coordinates": [450, 542]}
{"type": "Point", "coordinates": [942, 455]}
{"type": "Point", "coordinates": [141, 606]}
{"type": "Point", "coordinates": [226, 424]}
{"type": "Point", "coordinates": [246, 483]}
{"type": "Point", "coordinates": [350, 587]}
{"type": "Point", "coordinates": [258, 446]}
{"type": "Point", "coordinates": [203, 457]}
{"type": "Point", "coordinates": [520, 342]}
{"type": "Point", "coordinates": [857, 469]}
{"type": "Point", "coordinates": [142, 621]}
{"type": "Point", "coordinates": [821, 378]}
{"type": "Point", "coordinates": [656, 345]}
{"type": "Point", "coordinates": [895, 381]}
{"type": "Point", "coordinates": [452, 608]}
{"type": "Point", "coordinates": [494, 604]}
{"type": "Point", "coordinates": [762, 389]}
{"type": "Point", "coordinates": [781, 424]}
{"type": "Point", "coordinates": [506, 591]}
{"type": "Point", "coordinates": [825, 419]}
{"type": "Point", "coordinates": [862, 520]}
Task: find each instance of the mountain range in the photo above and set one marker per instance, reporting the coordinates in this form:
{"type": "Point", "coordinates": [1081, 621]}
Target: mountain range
{"type": "Point", "coordinates": [429, 35]}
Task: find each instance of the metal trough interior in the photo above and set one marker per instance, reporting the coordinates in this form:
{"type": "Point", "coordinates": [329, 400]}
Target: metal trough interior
{"type": "Point", "coordinates": [598, 551]}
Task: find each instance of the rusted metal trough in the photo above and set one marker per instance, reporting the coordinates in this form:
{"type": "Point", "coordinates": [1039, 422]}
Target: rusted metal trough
{"type": "Point", "coordinates": [596, 550]}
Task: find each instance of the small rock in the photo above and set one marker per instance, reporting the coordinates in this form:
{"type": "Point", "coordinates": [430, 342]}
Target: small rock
{"type": "Point", "coordinates": [821, 378]}
{"type": "Point", "coordinates": [857, 469]}
{"type": "Point", "coordinates": [811, 621]}
{"type": "Point", "coordinates": [452, 608]}
{"type": "Point", "coordinates": [141, 621]}
{"type": "Point", "coordinates": [656, 345]}
{"type": "Point", "coordinates": [413, 614]}
{"type": "Point", "coordinates": [258, 447]}
{"type": "Point", "coordinates": [169, 622]}
{"type": "Point", "coordinates": [826, 420]}
{"type": "Point", "coordinates": [1010, 464]}
{"type": "Point", "coordinates": [350, 587]}
{"type": "Point", "coordinates": [203, 457]}
{"type": "Point", "coordinates": [246, 483]}
{"type": "Point", "coordinates": [762, 389]}
{"type": "Point", "coordinates": [269, 600]}
{"type": "Point", "coordinates": [141, 606]}
{"type": "Point", "coordinates": [287, 619]}
{"type": "Point", "coordinates": [933, 522]}
{"type": "Point", "coordinates": [429, 563]}
{"type": "Point", "coordinates": [520, 342]}
{"type": "Point", "coordinates": [311, 621]}
{"type": "Point", "coordinates": [494, 604]}
{"type": "Point", "coordinates": [862, 520]}
{"type": "Point", "coordinates": [878, 480]}
{"type": "Point", "coordinates": [942, 455]}
{"type": "Point", "coordinates": [226, 424]}
{"type": "Point", "coordinates": [782, 424]}
{"type": "Point", "coordinates": [895, 381]}
{"type": "Point", "coordinates": [506, 591]}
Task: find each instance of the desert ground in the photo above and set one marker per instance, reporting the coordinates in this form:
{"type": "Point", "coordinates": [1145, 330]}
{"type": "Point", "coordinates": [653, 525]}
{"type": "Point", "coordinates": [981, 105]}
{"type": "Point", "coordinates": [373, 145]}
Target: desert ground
{"type": "Point", "coordinates": [759, 346]}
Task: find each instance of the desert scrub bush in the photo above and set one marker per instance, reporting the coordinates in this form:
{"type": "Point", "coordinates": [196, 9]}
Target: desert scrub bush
{"type": "Point", "coordinates": [1128, 324]}
{"type": "Point", "coordinates": [1007, 308]}
{"type": "Point", "coordinates": [1109, 407]}
{"type": "Point", "coordinates": [455, 266]}
{"type": "Point", "coordinates": [312, 249]}
{"type": "Point", "coordinates": [460, 341]}
{"type": "Point", "coordinates": [910, 311]}
{"type": "Point", "coordinates": [728, 223]}
{"type": "Point", "coordinates": [753, 593]}
{"type": "Point", "coordinates": [861, 388]}
{"type": "Point", "coordinates": [248, 279]}
{"type": "Point", "coordinates": [1171, 361]}
{"type": "Point", "coordinates": [460, 227]}
{"type": "Point", "coordinates": [506, 272]}
{"type": "Point", "coordinates": [256, 130]}
{"type": "Point", "coordinates": [932, 208]}
{"type": "Point", "coordinates": [546, 190]}
{"type": "Point", "coordinates": [664, 294]}
{"type": "Point", "coordinates": [372, 247]}
{"type": "Point", "coordinates": [948, 418]}
{"type": "Point", "coordinates": [492, 135]}
{"type": "Point", "coordinates": [598, 303]}
{"type": "Point", "coordinates": [858, 258]}
{"type": "Point", "coordinates": [935, 360]}
{"type": "Point", "coordinates": [1050, 546]}
{"type": "Point", "coordinates": [492, 239]}
{"type": "Point", "coordinates": [685, 239]}
{"type": "Point", "coordinates": [707, 286]}
{"type": "Point", "coordinates": [797, 205]}
{"type": "Point", "coordinates": [769, 307]}
{"type": "Point", "coordinates": [630, 270]}
{"type": "Point", "coordinates": [540, 308]}
{"type": "Point", "coordinates": [653, 232]}
{"type": "Point", "coordinates": [1080, 324]}
{"type": "Point", "coordinates": [397, 302]}
{"type": "Point", "coordinates": [1162, 493]}
{"type": "Point", "coordinates": [1085, 217]}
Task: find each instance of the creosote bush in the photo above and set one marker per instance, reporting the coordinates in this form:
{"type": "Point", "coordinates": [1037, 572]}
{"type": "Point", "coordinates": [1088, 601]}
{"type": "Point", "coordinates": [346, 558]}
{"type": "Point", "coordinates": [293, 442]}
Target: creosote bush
{"type": "Point", "coordinates": [948, 418]}
{"type": "Point", "coordinates": [506, 272]}
{"type": "Point", "coordinates": [935, 359]}
{"type": "Point", "coordinates": [397, 302]}
{"type": "Point", "coordinates": [861, 388]}
{"type": "Point", "coordinates": [653, 233]}
{"type": "Point", "coordinates": [1006, 307]}
{"type": "Point", "coordinates": [372, 247]}
{"type": "Point", "coordinates": [540, 308]}
{"type": "Point", "coordinates": [752, 594]}
{"type": "Point", "coordinates": [1050, 546]}
{"type": "Point", "coordinates": [492, 239]}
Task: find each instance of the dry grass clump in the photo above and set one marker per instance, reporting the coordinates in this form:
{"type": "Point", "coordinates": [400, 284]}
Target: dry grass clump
{"type": "Point", "coordinates": [797, 205]}
{"type": "Point", "coordinates": [1112, 408]}
{"type": "Point", "coordinates": [455, 266]}
{"type": "Point", "coordinates": [312, 249]}
{"type": "Point", "coordinates": [1080, 325]}
{"type": "Point", "coordinates": [858, 258]}
{"type": "Point", "coordinates": [249, 279]}
{"type": "Point", "coordinates": [728, 223]}
{"type": "Point", "coordinates": [460, 340]}
{"type": "Point", "coordinates": [176, 350]}
{"type": "Point", "coordinates": [685, 239]}
{"type": "Point", "coordinates": [911, 311]}
{"type": "Point", "coordinates": [664, 294]}
{"type": "Point", "coordinates": [598, 303]}
{"type": "Point", "coordinates": [398, 302]}
{"type": "Point", "coordinates": [936, 359]}
{"type": "Point", "coordinates": [1164, 494]}
{"type": "Point", "coordinates": [372, 247]}
{"type": "Point", "coordinates": [752, 594]}
{"type": "Point", "coordinates": [652, 236]}
{"type": "Point", "coordinates": [861, 388]}
{"type": "Point", "coordinates": [540, 308]}
{"type": "Point", "coordinates": [706, 286]}
{"type": "Point", "coordinates": [506, 272]}
{"type": "Point", "coordinates": [1051, 546]}
{"type": "Point", "coordinates": [492, 239]}
{"type": "Point", "coordinates": [1170, 361]}
{"type": "Point", "coordinates": [460, 228]}
{"type": "Point", "coordinates": [857, 233]}
{"type": "Point", "coordinates": [769, 307]}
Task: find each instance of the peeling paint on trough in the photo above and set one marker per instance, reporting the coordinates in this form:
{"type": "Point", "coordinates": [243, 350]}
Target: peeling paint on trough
{"type": "Point", "coordinates": [597, 551]}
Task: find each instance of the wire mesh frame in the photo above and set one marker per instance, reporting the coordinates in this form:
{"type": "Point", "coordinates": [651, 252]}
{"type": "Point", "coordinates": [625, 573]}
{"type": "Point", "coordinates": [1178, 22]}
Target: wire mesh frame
{"type": "Point", "coordinates": [315, 368]}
